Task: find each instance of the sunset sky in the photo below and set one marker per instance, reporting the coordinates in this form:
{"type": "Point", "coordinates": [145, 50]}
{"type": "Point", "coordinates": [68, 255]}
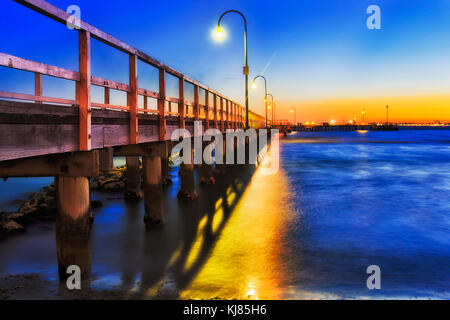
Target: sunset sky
{"type": "Point", "coordinates": [318, 56]}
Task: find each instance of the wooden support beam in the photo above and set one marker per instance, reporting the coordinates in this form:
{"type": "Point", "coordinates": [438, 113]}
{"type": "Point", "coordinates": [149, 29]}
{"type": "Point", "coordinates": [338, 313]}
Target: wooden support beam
{"type": "Point", "coordinates": [106, 100]}
{"type": "Point", "coordinates": [106, 159]}
{"type": "Point", "coordinates": [207, 109]}
{"type": "Point", "coordinates": [196, 103]}
{"type": "Point", "coordinates": [38, 86]}
{"type": "Point", "coordinates": [181, 108]}
{"type": "Point", "coordinates": [232, 115]}
{"type": "Point", "coordinates": [145, 102]}
{"type": "Point", "coordinates": [162, 104]}
{"type": "Point", "coordinates": [76, 164]}
{"type": "Point", "coordinates": [153, 193]}
{"type": "Point", "coordinates": [235, 116]}
{"type": "Point", "coordinates": [157, 149]}
{"type": "Point", "coordinates": [133, 99]}
{"type": "Point", "coordinates": [227, 119]}
{"type": "Point", "coordinates": [222, 127]}
{"type": "Point", "coordinates": [14, 62]}
{"type": "Point", "coordinates": [215, 110]}
{"type": "Point", "coordinates": [84, 91]}
{"type": "Point", "coordinates": [100, 82]}
{"type": "Point", "coordinates": [21, 96]}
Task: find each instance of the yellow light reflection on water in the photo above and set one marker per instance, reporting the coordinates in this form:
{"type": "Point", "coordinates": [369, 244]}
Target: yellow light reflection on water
{"type": "Point", "coordinates": [246, 262]}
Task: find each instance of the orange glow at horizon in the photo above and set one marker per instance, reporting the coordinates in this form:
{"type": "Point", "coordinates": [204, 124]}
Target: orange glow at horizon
{"type": "Point", "coordinates": [408, 109]}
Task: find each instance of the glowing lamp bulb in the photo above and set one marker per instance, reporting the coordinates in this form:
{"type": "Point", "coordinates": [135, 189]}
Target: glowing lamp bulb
{"type": "Point", "coordinates": [219, 33]}
{"type": "Point", "coordinates": [254, 85]}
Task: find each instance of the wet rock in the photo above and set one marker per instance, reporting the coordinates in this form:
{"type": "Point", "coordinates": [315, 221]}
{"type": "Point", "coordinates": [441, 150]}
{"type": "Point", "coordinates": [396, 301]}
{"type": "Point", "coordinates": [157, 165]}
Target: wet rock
{"type": "Point", "coordinates": [109, 182]}
{"type": "Point", "coordinates": [17, 217]}
{"type": "Point", "coordinates": [10, 227]}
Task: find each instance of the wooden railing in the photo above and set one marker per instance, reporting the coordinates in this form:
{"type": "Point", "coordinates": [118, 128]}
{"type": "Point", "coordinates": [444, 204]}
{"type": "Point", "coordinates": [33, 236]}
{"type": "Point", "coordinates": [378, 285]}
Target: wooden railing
{"type": "Point", "coordinates": [222, 111]}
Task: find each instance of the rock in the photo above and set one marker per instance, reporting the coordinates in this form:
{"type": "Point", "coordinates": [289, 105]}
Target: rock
{"type": "Point", "coordinates": [9, 227]}
{"type": "Point", "coordinates": [28, 208]}
{"type": "Point", "coordinates": [17, 217]}
{"type": "Point", "coordinates": [94, 185]}
{"type": "Point", "coordinates": [110, 186]}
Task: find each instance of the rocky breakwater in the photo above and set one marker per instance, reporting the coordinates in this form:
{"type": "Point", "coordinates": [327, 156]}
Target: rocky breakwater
{"type": "Point", "coordinates": [40, 206]}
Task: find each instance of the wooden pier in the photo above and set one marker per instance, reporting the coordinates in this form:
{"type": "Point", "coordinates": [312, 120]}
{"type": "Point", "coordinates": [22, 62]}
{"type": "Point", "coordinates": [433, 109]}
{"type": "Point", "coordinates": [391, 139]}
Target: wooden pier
{"type": "Point", "coordinates": [74, 140]}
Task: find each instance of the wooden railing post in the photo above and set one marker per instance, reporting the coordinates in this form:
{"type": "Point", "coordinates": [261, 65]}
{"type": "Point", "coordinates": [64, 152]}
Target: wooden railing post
{"type": "Point", "coordinates": [162, 104]}
{"type": "Point", "coordinates": [38, 86]}
{"type": "Point", "coordinates": [196, 103]}
{"type": "Point", "coordinates": [207, 109]}
{"type": "Point", "coordinates": [234, 116]}
{"type": "Point", "coordinates": [84, 90]}
{"type": "Point", "coordinates": [222, 127]}
{"type": "Point", "coordinates": [227, 124]}
{"type": "Point", "coordinates": [133, 99]}
{"type": "Point", "coordinates": [231, 115]}
{"type": "Point", "coordinates": [240, 117]}
{"type": "Point", "coordinates": [215, 110]}
{"type": "Point", "coordinates": [107, 100]}
{"type": "Point", "coordinates": [181, 108]}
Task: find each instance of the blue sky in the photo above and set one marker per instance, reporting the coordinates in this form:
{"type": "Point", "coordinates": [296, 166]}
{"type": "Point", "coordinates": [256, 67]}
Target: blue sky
{"type": "Point", "coordinates": [318, 50]}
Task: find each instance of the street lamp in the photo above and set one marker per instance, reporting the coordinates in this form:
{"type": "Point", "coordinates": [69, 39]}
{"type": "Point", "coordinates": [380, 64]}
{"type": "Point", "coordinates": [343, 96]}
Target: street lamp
{"type": "Point", "coordinates": [219, 35]}
{"type": "Point", "coordinates": [363, 112]}
{"type": "Point", "coordinates": [273, 105]}
{"type": "Point", "coordinates": [265, 90]}
{"type": "Point", "coordinates": [294, 110]}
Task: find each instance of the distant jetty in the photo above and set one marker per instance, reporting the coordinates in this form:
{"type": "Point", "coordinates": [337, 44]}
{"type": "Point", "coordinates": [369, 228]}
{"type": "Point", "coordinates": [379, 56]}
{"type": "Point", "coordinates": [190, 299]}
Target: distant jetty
{"type": "Point", "coordinates": [348, 127]}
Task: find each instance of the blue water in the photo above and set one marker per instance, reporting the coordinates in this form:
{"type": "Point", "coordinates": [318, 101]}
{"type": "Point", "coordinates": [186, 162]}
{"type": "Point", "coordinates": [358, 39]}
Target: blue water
{"type": "Point", "coordinates": [370, 198]}
{"type": "Point", "coordinates": [341, 202]}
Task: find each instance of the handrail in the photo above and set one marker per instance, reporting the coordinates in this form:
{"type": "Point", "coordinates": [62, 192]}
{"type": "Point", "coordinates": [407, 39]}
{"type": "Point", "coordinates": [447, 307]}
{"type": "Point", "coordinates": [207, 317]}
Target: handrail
{"type": "Point", "coordinates": [225, 112]}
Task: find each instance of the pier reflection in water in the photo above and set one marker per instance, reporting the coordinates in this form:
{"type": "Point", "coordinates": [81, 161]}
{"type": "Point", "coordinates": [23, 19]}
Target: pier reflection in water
{"type": "Point", "coordinates": [225, 245]}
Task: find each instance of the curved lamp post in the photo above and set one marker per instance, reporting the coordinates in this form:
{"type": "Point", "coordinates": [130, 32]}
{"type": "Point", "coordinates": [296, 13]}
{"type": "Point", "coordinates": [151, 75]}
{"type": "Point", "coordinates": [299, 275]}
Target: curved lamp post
{"type": "Point", "coordinates": [219, 35]}
{"type": "Point", "coordinates": [273, 105]}
{"type": "Point", "coordinates": [265, 90]}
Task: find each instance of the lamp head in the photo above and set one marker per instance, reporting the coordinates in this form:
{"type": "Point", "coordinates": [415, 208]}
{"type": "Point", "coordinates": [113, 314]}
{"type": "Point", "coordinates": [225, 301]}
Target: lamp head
{"type": "Point", "coordinates": [219, 33]}
{"type": "Point", "coordinates": [254, 85]}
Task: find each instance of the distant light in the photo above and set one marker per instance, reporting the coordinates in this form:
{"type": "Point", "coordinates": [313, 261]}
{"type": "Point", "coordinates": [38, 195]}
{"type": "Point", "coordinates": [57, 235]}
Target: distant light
{"type": "Point", "coordinates": [351, 121]}
{"type": "Point", "coordinates": [269, 107]}
{"type": "Point", "coordinates": [333, 122]}
{"type": "Point", "coordinates": [251, 292]}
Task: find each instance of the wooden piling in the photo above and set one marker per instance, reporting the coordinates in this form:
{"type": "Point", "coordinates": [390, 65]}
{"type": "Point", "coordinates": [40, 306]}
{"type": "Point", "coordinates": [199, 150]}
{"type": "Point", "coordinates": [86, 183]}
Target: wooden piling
{"type": "Point", "coordinates": [153, 200]}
